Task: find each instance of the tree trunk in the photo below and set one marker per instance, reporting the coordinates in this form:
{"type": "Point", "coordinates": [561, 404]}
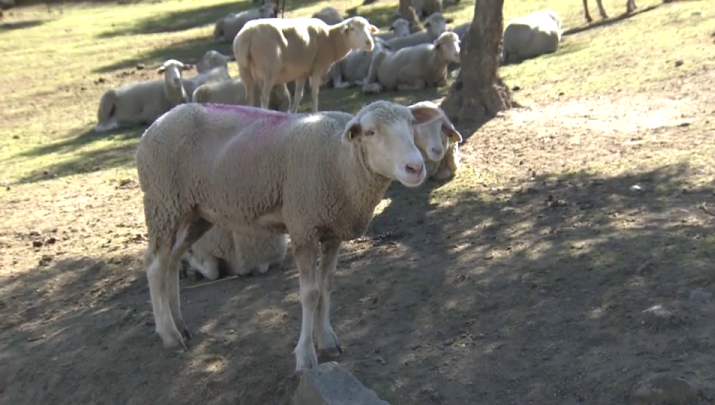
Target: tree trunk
{"type": "Point", "coordinates": [407, 11]}
{"type": "Point", "coordinates": [478, 93]}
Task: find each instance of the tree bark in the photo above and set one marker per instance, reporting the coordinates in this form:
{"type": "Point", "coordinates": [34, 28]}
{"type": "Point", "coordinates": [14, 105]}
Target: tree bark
{"type": "Point", "coordinates": [478, 93]}
{"type": "Point", "coordinates": [407, 11]}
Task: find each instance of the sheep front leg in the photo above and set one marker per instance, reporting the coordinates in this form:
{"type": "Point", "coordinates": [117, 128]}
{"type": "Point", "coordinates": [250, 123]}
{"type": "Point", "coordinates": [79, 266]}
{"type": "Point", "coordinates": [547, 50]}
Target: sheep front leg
{"type": "Point", "coordinates": [297, 94]}
{"type": "Point", "coordinates": [585, 14]}
{"type": "Point", "coordinates": [305, 258]}
{"type": "Point", "coordinates": [315, 89]}
{"type": "Point", "coordinates": [328, 344]}
{"type": "Point", "coordinates": [601, 10]}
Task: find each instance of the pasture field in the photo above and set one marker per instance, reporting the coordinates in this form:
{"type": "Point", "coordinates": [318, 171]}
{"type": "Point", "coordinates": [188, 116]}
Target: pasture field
{"type": "Point", "coordinates": [527, 279]}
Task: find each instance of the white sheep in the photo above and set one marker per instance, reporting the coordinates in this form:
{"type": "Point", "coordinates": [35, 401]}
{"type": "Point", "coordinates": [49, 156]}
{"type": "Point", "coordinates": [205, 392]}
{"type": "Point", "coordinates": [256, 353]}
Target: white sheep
{"type": "Point", "coordinates": [434, 25]}
{"type": "Point", "coordinates": [243, 252]}
{"type": "Point", "coordinates": [227, 27]}
{"type": "Point", "coordinates": [234, 92]}
{"type": "Point", "coordinates": [399, 28]}
{"type": "Point", "coordinates": [354, 67]}
{"type": "Point", "coordinates": [315, 177]}
{"type": "Point", "coordinates": [462, 29]}
{"type": "Point", "coordinates": [140, 103]}
{"type": "Point", "coordinates": [212, 59]}
{"type": "Point", "coordinates": [413, 68]}
{"type": "Point", "coordinates": [213, 75]}
{"type": "Point", "coordinates": [329, 15]}
{"type": "Point", "coordinates": [530, 36]}
{"type": "Point", "coordinates": [630, 7]}
{"type": "Point", "coordinates": [438, 141]}
{"type": "Point", "coordinates": [276, 51]}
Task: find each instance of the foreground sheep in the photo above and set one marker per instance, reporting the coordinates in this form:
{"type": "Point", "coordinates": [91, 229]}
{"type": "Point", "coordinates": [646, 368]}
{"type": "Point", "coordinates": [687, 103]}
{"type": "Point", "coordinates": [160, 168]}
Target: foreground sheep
{"type": "Point", "coordinates": [434, 25]}
{"type": "Point", "coordinates": [242, 252]}
{"type": "Point", "coordinates": [234, 92]}
{"type": "Point", "coordinates": [316, 177]}
{"type": "Point", "coordinates": [530, 36]}
{"type": "Point", "coordinates": [140, 103]}
{"type": "Point", "coordinates": [630, 7]}
{"type": "Point", "coordinates": [438, 142]}
{"type": "Point", "coordinates": [328, 15]}
{"type": "Point", "coordinates": [354, 67]}
{"type": "Point", "coordinates": [413, 68]}
{"type": "Point", "coordinates": [276, 51]}
{"type": "Point", "coordinates": [227, 27]}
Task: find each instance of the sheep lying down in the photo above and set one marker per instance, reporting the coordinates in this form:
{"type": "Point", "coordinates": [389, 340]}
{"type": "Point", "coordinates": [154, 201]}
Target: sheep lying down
{"type": "Point", "coordinates": [315, 177]}
{"type": "Point", "coordinates": [530, 36]}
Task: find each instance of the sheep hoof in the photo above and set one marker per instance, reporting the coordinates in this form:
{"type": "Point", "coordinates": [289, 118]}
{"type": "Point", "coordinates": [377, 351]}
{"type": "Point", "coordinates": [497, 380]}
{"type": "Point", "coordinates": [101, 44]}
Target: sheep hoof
{"type": "Point", "coordinates": [306, 362]}
{"type": "Point", "coordinates": [175, 345]}
{"type": "Point", "coordinates": [331, 352]}
{"type": "Point", "coordinates": [186, 333]}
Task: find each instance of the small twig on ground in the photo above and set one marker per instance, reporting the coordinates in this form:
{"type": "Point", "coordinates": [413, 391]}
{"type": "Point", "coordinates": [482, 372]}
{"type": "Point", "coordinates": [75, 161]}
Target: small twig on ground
{"type": "Point", "coordinates": [644, 265]}
{"type": "Point", "coordinates": [210, 282]}
{"type": "Point", "coordinates": [705, 210]}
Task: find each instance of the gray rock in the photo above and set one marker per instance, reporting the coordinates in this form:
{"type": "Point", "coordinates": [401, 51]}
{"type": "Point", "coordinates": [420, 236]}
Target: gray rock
{"type": "Point", "coordinates": [664, 389]}
{"type": "Point", "coordinates": [699, 294]}
{"type": "Point", "coordinates": [332, 384]}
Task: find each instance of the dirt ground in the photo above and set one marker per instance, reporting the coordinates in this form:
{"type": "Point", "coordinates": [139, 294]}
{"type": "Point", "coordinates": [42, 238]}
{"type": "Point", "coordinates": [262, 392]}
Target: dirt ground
{"type": "Point", "coordinates": [533, 287]}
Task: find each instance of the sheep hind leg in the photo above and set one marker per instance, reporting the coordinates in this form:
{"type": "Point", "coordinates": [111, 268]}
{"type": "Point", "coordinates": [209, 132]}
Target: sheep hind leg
{"type": "Point", "coordinates": [297, 94]}
{"type": "Point", "coordinates": [190, 232]}
{"type": "Point", "coordinates": [328, 344]}
{"type": "Point", "coordinates": [305, 258]}
{"type": "Point", "coordinates": [266, 88]}
{"type": "Point", "coordinates": [585, 14]}
{"type": "Point", "coordinates": [315, 89]}
{"type": "Point", "coordinates": [249, 84]}
{"type": "Point", "coordinates": [601, 10]}
{"type": "Point", "coordinates": [631, 6]}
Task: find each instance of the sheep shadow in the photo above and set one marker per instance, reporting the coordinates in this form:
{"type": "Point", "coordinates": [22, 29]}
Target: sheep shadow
{"type": "Point", "coordinates": [18, 25]}
{"type": "Point", "coordinates": [609, 21]}
{"type": "Point", "coordinates": [117, 154]}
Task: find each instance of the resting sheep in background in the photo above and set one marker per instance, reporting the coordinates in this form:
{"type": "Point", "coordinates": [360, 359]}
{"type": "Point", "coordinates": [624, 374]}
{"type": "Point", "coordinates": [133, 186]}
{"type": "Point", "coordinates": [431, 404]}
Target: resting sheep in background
{"type": "Point", "coordinates": [399, 28]}
{"type": "Point", "coordinates": [328, 15]}
{"type": "Point", "coordinates": [140, 103]}
{"type": "Point", "coordinates": [212, 59]}
{"type": "Point", "coordinates": [438, 142]}
{"type": "Point", "coordinates": [530, 36]}
{"type": "Point", "coordinates": [630, 7]}
{"type": "Point", "coordinates": [354, 67]}
{"type": "Point", "coordinates": [227, 27]}
{"type": "Point", "coordinates": [234, 92]}
{"type": "Point", "coordinates": [276, 51]}
{"type": "Point", "coordinates": [315, 177]}
{"type": "Point", "coordinates": [434, 25]}
{"type": "Point", "coordinates": [413, 68]}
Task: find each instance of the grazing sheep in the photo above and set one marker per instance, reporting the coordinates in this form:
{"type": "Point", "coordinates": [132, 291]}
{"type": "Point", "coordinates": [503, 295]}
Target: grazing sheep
{"type": "Point", "coordinates": [527, 37]}
{"type": "Point", "coordinates": [434, 25]}
{"type": "Point", "coordinates": [315, 177]}
{"type": "Point", "coordinates": [243, 252]}
{"type": "Point", "coordinates": [461, 30]}
{"type": "Point", "coordinates": [415, 67]}
{"type": "Point", "coordinates": [212, 59]}
{"type": "Point", "coordinates": [438, 142]}
{"type": "Point", "coordinates": [354, 67]}
{"type": "Point", "coordinates": [276, 51]}
{"type": "Point", "coordinates": [630, 7]}
{"type": "Point", "coordinates": [399, 28]}
{"type": "Point", "coordinates": [227, 27]}
{"type": "Point", "coordinates": [329, 15]}
{"type": "Point", "coordinates": [234, 92]}
{"type": "Point", "coordinates": [140, 103]}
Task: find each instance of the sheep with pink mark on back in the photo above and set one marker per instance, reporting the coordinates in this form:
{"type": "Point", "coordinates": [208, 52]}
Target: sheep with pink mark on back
{"type": "Point", "coordinates": [316, 177]}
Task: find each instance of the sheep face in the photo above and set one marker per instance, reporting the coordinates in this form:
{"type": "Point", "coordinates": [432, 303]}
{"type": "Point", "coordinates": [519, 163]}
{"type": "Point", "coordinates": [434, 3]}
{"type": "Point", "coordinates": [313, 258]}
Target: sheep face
{"type": "Point", "coordinates": [435, 24]}
{"type": "Point", "coordinates": [400, 27]}
{"type": "Point", "coordinates": [218, 31]}
{"type": "Point", "coordinates": [210, 60]}
{"type": "Point", "coordinates": [359, 33]}
{"type": "Point", "coordinates": [384, 131]}
{"type": "Point", "coordinates": [172, 71]}
{"type": "Point", "coordinates": [448, 45]}
{"type": "Point", "coordinates": [268, 10]}
{"type": "Point", "coordinates": [433, 136]}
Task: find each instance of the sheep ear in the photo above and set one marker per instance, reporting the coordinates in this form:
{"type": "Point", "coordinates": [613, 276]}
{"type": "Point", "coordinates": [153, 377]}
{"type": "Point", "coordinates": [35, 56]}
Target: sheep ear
{"type": "Point", "coordinates": [449, 20]}
{"type": "Point", "coordinates": [373, 29]}
{"type": "Point", "coordinates": [451, 132]}
{"type": "Point", "coordinates": [161, 69]}
{"type": "Point", "coordinates": [352, 131]}
{"type": "Point", "coordinates": [425, 112]}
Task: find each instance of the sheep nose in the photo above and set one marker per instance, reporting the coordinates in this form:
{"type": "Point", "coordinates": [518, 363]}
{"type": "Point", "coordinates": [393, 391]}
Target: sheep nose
{"type": "Point", "coordinates": [414, 168]}
{"type": "Point", "coordinates": [437, 151]}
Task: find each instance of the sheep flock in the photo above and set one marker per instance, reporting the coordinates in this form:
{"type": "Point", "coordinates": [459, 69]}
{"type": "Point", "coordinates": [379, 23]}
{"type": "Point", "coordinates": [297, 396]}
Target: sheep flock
{"type": "Point", "coordinates": [228, 167]}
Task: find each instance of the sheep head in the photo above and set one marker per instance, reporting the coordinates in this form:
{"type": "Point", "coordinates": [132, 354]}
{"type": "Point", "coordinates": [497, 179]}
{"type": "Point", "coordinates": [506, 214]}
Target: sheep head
{"type": "Point", "coordinates": [268, 10]}
{"type": "Point", "coordinates": [433, 136]}
{"type": "Point", "coordinates": [358, 32]}
{"type": "Point", "coordinates": [447, 44]}
{"type": "Point", "coordinates": [400, 27]}
{"type": "Point", "coordinates": [384, 132]}
{"type": "Point", "coordinates": [435, 24]}
{"type": "Point", "coordinates": [218, 31]}
{"type": "Point", "coordinates": [172, 71]}
{"type": "Point", "coordinates": [210, 60]}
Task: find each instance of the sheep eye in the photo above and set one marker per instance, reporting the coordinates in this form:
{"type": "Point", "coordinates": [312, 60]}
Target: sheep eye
{"type": "Point", "coordinates": [369, 133]}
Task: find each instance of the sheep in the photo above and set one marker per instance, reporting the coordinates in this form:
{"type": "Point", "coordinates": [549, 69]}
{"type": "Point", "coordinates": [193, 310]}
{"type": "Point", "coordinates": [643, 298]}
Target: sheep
{"type": "Point", "coordinates": [434, 25]}
{"type": "Point", "coordinates": [462, 29]}
{"type": "Point", "coordinates": [329, 15]}
{"type": "Point", "coordinates": [438, 142]}
{"type": "Point", "coordinates": [243, 252]}
{"type": "Point", "coordinates": [276, 51]}
{"type": "Point", "coordinates": [227, 27]}
{"type": "Point", "coordinates": [212, 59]}
{"type": "Point", "coordinates": [234, 92]}
{"type": "Point", "coordinates": [140, 103]}
{"type": "Point", "coordinates": [535, 34]}
{"type": "Point", "coordinates": [315, 177]}
{"type": "Point", "coordinates": [413, 68]}
{"type": "Point", "coordinates": [354, 67]}
{"type": "Point", "coordinates": [213, 75]}
{"type": "Point", "coordinates": [630, 7]}
{"type": "Point", "coordinates": [399, 28]}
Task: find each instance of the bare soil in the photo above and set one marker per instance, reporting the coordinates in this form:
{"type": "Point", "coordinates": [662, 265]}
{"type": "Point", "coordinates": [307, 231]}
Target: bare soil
{"type": "Point", "coordinates": [529, 288]}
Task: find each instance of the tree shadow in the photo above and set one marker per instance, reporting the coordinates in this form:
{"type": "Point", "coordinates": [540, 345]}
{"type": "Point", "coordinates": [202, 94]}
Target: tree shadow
{"type": "Point", "coordinates": [609, 21]}
{"type": "Point", "coordinates": [18, 25]}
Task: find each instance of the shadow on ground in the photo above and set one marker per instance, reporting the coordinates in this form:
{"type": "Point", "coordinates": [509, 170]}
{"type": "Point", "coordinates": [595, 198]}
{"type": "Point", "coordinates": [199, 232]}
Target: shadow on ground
{"type": "Point", "coordinates": [489, 295]}
{"type": "Point", "coordinates": [608, 21]}
{"type": "Point", "coordinates": [18, 25]}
